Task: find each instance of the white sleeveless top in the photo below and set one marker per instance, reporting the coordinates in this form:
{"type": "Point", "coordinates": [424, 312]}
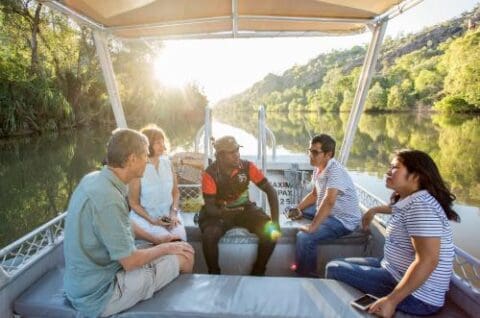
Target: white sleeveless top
{"type": "Point", "coordinates": [156, 188]}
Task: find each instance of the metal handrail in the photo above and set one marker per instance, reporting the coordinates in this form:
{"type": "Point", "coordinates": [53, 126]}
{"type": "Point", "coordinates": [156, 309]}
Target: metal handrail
{"type": "Point", "coordinates": [32, 234]}
{"type": "Point", "coordinates": [273, 140]}
{"type": "Point", "coordinates": [24, 252]}
{"type": "Point", "coordinates": [263, 133]}
{"type": "Point", "coordinates": [198, 136]}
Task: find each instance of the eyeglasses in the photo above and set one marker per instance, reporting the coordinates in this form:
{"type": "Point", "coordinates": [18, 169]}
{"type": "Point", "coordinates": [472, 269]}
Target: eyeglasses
{"type": "Point", "coordinates": [314, 152]}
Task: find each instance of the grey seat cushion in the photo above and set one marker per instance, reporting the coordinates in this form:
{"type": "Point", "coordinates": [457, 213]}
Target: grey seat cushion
{"type": "Point", "coordinates": [198, 295]}
{"type": "Point", "coordinates": [289, 232]}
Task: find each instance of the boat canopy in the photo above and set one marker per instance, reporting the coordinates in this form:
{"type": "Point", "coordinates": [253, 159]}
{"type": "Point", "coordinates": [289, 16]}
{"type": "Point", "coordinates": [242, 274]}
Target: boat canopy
{"type": "Point", "coordinates": [167, 19]}
{"type": "Point", "coordinates": [203, 19]}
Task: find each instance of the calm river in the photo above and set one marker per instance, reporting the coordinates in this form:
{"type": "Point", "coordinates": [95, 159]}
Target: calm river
{"type": "Point", "coordinates": [38, 174]}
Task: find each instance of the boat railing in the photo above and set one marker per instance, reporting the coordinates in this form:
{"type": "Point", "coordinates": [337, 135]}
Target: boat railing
{"type": "Point", "coordinates": [264, 133]}
{"type": "Point", "coordinates": [21, 254]}
{"type": "Point", "coordinates": [368, 200]}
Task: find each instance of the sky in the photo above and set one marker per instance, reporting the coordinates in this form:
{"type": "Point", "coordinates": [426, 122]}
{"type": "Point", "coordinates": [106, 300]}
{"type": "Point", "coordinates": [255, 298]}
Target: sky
{"type": "Point", "coordinates": [225, 67]}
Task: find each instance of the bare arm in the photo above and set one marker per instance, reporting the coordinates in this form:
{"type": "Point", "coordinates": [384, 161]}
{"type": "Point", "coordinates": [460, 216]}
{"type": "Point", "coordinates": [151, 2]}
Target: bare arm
{"type": "Point", "coordinates": [427, 253]}
{"type": "Point", "coordinates": [176, 201]}
{"type": "Point", "coordinates": [134, 200]}
{"type": "Point", "coordinates": [370, 214]}
{"type": "Point", "coordinates": [308, 200]}
{"type": "Point", "coordinates": [144, 256]}
{"type": "Point", "coordinates": [272, 200]}
{"type": "Point", "coordinates": [146, 236]}
{"type": "Point", "coordinates": [175, 196]}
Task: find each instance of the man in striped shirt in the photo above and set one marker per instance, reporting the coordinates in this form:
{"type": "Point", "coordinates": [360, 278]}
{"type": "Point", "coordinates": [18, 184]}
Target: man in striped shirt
{"type": "Point", "coordinates": [336, 204]}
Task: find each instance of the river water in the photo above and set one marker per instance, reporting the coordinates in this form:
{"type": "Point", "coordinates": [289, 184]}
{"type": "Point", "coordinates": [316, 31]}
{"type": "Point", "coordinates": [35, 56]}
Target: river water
{"type": "Point", "coordinates": [38, 173]}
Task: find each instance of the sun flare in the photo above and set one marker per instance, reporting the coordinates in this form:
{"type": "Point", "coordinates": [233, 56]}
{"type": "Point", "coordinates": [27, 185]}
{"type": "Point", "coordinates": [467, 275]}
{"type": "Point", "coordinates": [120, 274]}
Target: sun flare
{"type": "Point", "coordinates": [171, 72]}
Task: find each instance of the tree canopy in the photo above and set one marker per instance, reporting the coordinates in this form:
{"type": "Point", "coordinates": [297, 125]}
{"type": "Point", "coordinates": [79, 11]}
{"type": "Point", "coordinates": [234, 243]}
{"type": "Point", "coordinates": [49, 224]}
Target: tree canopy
{"type": "Point", "coordinates": [50, 77]}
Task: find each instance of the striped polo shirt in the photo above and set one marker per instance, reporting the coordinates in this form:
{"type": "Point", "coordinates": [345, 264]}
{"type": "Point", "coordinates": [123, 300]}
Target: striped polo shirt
{"type": "Point", "coordinates": [421, 215]}
{"type": "Point", "coordinates": [346, 208]}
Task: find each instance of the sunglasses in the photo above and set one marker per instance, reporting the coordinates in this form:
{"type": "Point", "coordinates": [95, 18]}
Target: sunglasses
{"type": "Point", "coordinates": [314, 152]}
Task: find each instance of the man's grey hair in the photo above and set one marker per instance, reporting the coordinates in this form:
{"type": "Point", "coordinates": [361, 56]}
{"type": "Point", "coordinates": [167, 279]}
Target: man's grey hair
{"type": "Point", "coordinates": [123, 143]}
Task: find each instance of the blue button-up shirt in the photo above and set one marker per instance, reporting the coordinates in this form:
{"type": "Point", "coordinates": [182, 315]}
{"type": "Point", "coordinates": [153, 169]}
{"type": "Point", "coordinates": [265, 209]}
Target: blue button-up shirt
{"type": "Point", "coordinates": [97, 234]}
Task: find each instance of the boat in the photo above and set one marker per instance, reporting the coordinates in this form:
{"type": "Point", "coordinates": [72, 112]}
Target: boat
{"type": "Point", "coordinates": [31, 268]}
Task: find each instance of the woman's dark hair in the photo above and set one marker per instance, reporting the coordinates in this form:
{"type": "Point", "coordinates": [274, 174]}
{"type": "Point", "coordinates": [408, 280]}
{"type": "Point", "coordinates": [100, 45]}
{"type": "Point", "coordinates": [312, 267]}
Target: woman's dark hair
{"type": "Point", "coordinates": [429, 178]}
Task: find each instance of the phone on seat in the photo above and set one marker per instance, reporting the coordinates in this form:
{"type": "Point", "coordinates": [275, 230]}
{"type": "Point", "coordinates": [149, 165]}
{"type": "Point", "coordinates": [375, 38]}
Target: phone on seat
{"type": "Point", "coordinates": [364, 302]}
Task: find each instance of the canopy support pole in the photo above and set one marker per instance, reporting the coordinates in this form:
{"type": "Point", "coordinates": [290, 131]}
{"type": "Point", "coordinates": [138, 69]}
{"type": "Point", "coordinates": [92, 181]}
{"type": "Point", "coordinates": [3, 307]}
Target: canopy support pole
{"type": "Point", "coordinates": [109, 76]}
{"type": "Point", "coordinates": [207, 137]}
{"type": "Point", "coordinates": [364, 81]}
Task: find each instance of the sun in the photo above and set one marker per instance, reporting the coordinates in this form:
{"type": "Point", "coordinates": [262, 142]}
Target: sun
{"type": "Point", "coordinates": [171, 72]}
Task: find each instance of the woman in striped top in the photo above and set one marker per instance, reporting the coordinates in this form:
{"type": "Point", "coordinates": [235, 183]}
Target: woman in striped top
{"type": "Point", "coordinates": [415, 272]}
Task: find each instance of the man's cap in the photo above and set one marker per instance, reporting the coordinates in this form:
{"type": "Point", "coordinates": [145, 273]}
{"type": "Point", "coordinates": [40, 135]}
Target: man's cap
{"type": "Point", "coordinates": [226, 143]}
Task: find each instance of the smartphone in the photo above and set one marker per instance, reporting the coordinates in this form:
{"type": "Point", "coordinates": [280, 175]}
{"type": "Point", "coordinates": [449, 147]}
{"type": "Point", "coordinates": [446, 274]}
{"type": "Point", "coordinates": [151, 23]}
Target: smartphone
{"type": "Point", "coordinates": [166, 219]}
{"type": "Point", "coordinates": [364, 302]}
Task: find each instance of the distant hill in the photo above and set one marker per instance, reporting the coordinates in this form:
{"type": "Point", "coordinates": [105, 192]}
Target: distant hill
{"type": "Point", "coordinates": [411, 72]}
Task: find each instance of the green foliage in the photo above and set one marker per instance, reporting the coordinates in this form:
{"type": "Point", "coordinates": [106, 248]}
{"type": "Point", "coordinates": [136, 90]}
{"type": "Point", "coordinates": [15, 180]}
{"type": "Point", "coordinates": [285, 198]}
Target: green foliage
{"type": "Point", "coordinates": [428, 84]}
{"type": "Point", "coordinates": [417, 70]}
{"type": "Point", "coordinates": [377, 98]}
{"type": "Point", "coordinates": [461, 60]}
{"type": "Point", "coordinates": [453, 104]}
{"type": "Point", "coordinates": [58, 83]}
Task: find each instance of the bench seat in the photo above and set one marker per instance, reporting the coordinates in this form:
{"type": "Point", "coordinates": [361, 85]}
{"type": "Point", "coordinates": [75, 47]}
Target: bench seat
{"type": "Point", "coordinates": [198, 295]}
{"type": "Point", "coordinates": [289, 231]}
{"type": "Point", "coordinates": [238, 248]}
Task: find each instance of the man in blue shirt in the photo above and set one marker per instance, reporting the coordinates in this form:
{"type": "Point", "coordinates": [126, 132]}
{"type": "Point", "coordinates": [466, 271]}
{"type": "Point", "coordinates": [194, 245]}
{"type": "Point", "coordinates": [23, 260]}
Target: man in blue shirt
{"type": "Point", "coordinates": [104, 272]}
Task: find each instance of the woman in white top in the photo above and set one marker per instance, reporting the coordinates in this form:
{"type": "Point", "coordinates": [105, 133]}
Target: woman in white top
{"type": "Point", "coordinates": [154, 198]}
{"type": "Point", "coordinates": [414, 274]}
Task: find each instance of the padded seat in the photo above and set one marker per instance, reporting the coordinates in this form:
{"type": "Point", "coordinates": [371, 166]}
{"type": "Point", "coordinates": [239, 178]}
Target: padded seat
{"type": "Point", "coordinates": [198, 295]}
{"type": "Point", "coordinates": [289, 232]}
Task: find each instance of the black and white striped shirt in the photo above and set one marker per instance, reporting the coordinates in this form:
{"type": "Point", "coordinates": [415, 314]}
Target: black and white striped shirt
{"type": "Point", "coordinates": [346, 208]}
{"type": "Point", "coordinates": [421, 215]}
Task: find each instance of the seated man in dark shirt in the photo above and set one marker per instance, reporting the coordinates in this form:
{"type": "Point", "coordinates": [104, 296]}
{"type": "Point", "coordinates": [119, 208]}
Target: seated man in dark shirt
{"type": "Point", "coordinates": [227, 205]}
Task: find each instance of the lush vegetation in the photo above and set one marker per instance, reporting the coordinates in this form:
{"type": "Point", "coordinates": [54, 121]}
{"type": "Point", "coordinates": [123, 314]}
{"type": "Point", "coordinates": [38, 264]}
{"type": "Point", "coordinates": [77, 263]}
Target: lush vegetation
{"type": "Point", "coordinates": [437, 67]}
{"type": "Point", "coordinates": [50, 77]}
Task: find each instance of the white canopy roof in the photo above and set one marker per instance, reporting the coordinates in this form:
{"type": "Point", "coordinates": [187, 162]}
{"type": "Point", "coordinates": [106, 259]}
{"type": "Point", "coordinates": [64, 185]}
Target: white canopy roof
{"type": "Point", "coordinates": [229, 18]}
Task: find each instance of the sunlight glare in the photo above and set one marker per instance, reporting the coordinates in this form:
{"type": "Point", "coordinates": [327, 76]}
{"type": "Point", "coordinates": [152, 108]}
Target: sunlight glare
{"type": "Point", "coordinates": [171, 72]}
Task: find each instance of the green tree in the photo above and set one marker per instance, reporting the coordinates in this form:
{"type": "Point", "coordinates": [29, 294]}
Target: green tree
{"type": "Point", "coordinates": [461, 60]}
{"type": "Point", "coordinates": [377, 98]}
{"type": "Point", "coordinates": [427, 84]}
{"type": "Point", "coordinates": [453, 104]}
